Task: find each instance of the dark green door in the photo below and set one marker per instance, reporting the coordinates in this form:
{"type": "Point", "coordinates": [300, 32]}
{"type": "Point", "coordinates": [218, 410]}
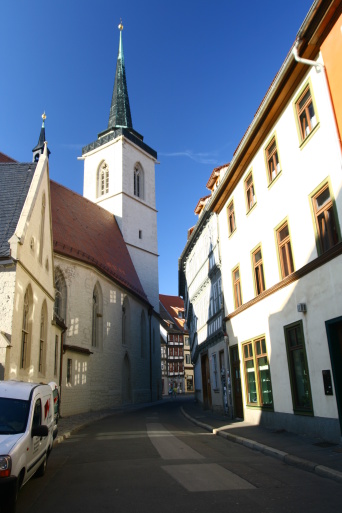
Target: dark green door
{"type": "Point", "coordinates": [334, 332]}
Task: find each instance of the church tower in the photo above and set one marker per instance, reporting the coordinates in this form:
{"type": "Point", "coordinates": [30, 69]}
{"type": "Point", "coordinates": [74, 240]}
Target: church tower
{"type": "Point", "coordinates": [119, 175]}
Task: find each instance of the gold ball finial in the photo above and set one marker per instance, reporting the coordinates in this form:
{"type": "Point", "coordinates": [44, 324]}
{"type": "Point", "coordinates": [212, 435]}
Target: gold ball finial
{"type": "Point", "coordinates": [120, 26]}
{"type": "Point", "coordinates": [44, 116]}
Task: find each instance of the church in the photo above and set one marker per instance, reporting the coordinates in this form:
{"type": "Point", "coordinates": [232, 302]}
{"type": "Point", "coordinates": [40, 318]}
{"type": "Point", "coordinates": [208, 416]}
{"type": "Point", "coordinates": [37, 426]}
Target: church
{"type": "Point", "coordinates": [79, 292]}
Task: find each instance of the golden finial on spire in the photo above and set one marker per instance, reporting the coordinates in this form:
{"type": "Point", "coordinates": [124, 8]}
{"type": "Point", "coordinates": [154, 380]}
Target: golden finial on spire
{"type": "Point", "coordinates": [44, 116]}
{"type": "Point", "coordinates": [120, 26]}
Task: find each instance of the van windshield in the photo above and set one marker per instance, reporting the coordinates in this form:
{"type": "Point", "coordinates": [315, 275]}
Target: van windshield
{"type": "Point", "coordinates": [13, 416]}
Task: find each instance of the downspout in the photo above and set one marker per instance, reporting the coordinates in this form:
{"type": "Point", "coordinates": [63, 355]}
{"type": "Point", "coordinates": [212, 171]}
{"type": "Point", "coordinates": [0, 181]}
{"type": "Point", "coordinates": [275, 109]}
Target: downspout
{"type": "Point", "coordinates": [319, 67]}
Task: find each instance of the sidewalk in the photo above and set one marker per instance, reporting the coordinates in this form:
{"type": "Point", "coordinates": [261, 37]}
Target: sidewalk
{"type": "Point", "coordinates": [307, 453]}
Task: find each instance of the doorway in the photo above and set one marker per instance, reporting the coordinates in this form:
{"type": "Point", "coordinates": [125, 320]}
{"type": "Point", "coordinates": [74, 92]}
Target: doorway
{"type": "Point", "coordinates": [236, 381]}
{"type": "Point", "coordinates": [206, 382]}
{"type": "Point", "coordinates": [334, 333]}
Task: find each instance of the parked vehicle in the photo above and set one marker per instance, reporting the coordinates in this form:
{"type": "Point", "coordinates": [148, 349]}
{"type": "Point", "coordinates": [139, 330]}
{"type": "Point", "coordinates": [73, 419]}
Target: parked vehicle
{"type": "Point", "coordinates": [27, 430]}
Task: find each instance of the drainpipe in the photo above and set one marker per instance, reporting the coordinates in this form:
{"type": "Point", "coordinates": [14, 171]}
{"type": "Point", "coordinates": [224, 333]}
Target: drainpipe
{"type": "Point", "coordinates": [319, 67]}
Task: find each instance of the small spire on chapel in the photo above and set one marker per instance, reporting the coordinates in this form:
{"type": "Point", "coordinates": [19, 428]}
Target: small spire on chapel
{"type": "Point", "coordinates": [39, 148]}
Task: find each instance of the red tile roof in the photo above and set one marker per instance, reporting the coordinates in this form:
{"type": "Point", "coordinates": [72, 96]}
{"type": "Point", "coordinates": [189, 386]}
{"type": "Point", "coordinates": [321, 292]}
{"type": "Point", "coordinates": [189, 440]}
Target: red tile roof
{"type": "Point", "coordinates": [85, 231]}
{"type": "Point", "coordinates": [214, 175]}
{"type": "Point", "coordinates": [5, 159]}
{"type": "Point", "coordinates": [174, 304]}
{"type": "Point", "coordinates": [201, 203]}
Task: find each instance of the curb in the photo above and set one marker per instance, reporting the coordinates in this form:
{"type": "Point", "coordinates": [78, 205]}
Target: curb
{"type": "Point", "coordinates": [285, 457]}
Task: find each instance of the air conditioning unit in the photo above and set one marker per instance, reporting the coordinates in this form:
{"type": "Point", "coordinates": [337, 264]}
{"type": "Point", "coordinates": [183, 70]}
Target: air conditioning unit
{"type": "Point", "coordinates": [301, 307]}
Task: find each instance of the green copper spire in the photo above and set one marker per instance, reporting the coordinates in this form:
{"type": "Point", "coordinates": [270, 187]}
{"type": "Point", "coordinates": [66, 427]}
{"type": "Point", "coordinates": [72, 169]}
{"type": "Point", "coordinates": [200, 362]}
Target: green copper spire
{"type": "Point", "coordinates": [120, 112]}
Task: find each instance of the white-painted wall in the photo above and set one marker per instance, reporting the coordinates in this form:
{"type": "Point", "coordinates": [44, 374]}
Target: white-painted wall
{"type": "Point", "coordinates": [133, 214]}
{"type": "Point", "coordinates": [303, 168]}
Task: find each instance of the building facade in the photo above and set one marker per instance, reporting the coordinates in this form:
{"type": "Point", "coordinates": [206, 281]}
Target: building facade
{"type": "Point", "coordinates": [177, 367]}
{"type": "Point", "coordinates": [279, 209]}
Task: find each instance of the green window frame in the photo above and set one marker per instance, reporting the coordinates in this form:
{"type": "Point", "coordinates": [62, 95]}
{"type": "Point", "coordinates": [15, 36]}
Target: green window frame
{"type": "Point", "coordinates": [298, 368]}
{"type": "Point", "coordinates": [258, 384]}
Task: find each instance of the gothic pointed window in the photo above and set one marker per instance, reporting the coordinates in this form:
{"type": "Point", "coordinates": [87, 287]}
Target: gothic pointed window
{"type": "Point", "coordinates": [138, 181]}
{"type": "Point", "coordinates": [60, 295]}
{"type": "Point", "coordinates": [96, 335]}
{"type": "Point", "coordinates": [103, 179]}
{"type": "Point", "coordinates": [26, 330]}
{"type": "Point", "coordinates": [42, 339]}
{"type": "Point", "coordinates": [125, 321]}
{"type": "Point", "coordinates": [143, 337]}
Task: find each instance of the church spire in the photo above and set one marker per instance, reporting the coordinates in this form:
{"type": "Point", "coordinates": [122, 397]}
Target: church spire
{"type": "Point", "coordinates": [39, 148]}
{"type": "Point", "coordinates": [120, 112]}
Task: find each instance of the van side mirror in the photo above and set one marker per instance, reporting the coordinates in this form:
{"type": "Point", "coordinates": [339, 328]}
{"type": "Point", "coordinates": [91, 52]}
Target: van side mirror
{"type": "Point", "coordinates": [41, 430]}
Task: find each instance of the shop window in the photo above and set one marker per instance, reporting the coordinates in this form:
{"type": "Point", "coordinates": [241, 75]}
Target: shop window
{"type": "Point", "coordinates": [257, 374]}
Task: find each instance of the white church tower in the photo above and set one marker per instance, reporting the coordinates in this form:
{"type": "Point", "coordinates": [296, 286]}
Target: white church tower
{"type": "Point", "coordinates": [119, 175]}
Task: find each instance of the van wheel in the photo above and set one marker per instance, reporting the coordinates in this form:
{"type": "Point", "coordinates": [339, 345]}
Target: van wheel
{"type": "Point", "coordinates": [10, 500]}
{"type": "Point", "coordinates": [42, 469]}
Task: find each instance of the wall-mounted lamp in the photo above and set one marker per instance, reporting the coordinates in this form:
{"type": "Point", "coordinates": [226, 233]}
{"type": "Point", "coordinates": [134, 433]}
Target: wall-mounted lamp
{"type": "Point", "coordinates": [301, 307]}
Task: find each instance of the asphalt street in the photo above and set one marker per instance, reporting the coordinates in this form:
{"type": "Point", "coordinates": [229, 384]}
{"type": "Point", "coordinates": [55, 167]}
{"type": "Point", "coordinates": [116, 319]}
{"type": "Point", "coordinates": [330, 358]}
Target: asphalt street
{"type": "Point", "coordinates": [157, 458]}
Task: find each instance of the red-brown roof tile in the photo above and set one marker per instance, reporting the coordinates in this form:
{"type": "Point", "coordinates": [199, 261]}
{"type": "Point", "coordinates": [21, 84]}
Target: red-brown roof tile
{"type": "Point", "coordinates": [173, 304]}
{"type": "Point", "coordinates": [5, 158]}
{"type": "Point", "coordinates": [85, 231]}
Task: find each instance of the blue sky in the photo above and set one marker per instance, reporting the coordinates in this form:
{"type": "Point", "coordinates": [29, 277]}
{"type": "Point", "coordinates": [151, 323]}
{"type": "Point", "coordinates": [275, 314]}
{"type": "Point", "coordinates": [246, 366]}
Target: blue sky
{"type": "Point", "coordinates": [196, 72]}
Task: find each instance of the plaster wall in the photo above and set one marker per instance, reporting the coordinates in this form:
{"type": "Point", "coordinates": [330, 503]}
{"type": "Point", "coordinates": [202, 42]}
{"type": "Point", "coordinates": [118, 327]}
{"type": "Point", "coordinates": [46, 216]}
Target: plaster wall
{"type": "Point", "coordinates": [7, 289]}
{"type": "Point", "coordinates": [97, 378]}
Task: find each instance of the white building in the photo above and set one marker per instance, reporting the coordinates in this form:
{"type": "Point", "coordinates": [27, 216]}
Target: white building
{"type": "Point", "coordinates": [279, 210]}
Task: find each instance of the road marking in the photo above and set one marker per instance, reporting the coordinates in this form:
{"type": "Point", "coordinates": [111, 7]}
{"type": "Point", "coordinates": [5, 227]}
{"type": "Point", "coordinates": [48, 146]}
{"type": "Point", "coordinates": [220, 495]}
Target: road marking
{"type": "Point", "coordinates": [168, 445]}
{"type": "Point", "coordinates": [206, 477]}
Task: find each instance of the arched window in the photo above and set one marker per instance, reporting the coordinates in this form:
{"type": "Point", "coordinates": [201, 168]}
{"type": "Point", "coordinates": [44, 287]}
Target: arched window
{"type": "Point", "coordinates": [138, 181]}
{"type": "Point", "coordinates": [103, 179]}
{"type": "Point", "coordinates": [143, 337]}
{"type": "Point", "coordinates": [125, 321]}
{"type": "Point", "coordinates": [60, 295]}
{"type": "Point", "coordinates": [42, 339]}
{"type": "Point", "coordinates": [41, 235]}
{"type": "Point", "coordinates": [26, 330]}
{"type": "Point", "coordinates": [96, 332]}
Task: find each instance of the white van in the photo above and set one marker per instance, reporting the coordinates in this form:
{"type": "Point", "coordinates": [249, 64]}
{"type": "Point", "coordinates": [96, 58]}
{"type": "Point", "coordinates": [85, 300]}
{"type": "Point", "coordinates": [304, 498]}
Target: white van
{"type": "Point", "coordinates": [27, 428]}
